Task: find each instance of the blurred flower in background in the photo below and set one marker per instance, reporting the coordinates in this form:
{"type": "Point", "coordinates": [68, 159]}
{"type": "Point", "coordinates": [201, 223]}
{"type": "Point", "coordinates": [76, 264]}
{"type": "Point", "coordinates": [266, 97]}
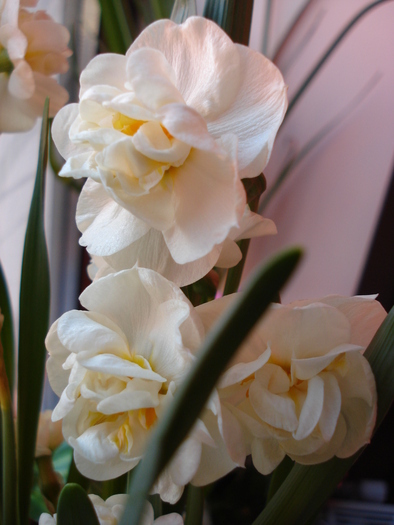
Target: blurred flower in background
{"type": "Point", "coordinates": [33, 48]}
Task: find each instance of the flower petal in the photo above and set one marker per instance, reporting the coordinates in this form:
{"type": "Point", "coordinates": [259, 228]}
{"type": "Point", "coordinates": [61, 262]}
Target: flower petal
{"type": "Point", "coordinates": [256, 113]}
{"type": "Point", "coordinates": [106, 226]}
{"type": "Point", "coordinates": [209, 201]}
{"type": "Point", "coordinates": [205, 61]}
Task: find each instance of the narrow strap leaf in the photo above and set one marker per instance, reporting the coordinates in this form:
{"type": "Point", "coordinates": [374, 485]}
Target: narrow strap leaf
{"type": "Point", "coordinates": [114, 23]}
{"type": "Point", "coordinates": [306, 488]}
{"type": "Point", "coordinates": [7, 332]}
{"type": "Point", "coordinates": [233, 16]}
{"type": "Point", "coordinates": [8, 449]}
{"type": "Point", "coordinates": [216, 352]}
{"type": "Point", "coordinates": [182, 10]}
{"type": "Point", "coordinates": [75, 508]}
{"type": "Point", "coordinates": [33, 327]}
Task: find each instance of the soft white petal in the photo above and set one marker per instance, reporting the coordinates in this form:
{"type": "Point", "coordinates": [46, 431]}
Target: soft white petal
{"type": "Point", "coordinates": [276, 410]}
{"type": "Point", "coordinates": [151, 78]}
{"type": "Point", "coordinates": [306, 368]}
{"type": "Point", "coordinates": [241, 371]}
{"type": "Point", "coordinates": [108, 69]}
{"type": "Point", "coordinates": [150, 251]}
{"type": "Point", "coordinates": [256, 113]}
{"type": "Point", "coordinates": [331, 406]}
{"type": "Point", "coordinates": [266, 455]}
{"type": "Point", "coordinates": [21, 83]}
{"type": "Point", "coordinates": [106, 226]}
{"type": "Point", "coordinates": [91, 333]}
{"type": "Point", "coordinates": [209, 201]}
{"type": "Point", "coordinates": [205, 61]}
{"type": "Point", "coordinates": [311, 409]}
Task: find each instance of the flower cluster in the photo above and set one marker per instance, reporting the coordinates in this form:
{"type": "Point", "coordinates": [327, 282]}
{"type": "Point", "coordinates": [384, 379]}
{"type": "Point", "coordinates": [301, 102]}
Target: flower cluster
{"type": "Point", "coordinates": [164, 136]}
{"type": "Point", "coordinates": [35, 49]}
{"type": "Point", "coordinates": [110, 512]}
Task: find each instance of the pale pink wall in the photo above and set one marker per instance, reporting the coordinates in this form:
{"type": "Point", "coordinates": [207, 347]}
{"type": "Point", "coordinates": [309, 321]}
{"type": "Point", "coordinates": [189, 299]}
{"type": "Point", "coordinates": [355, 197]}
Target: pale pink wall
{"type": "Point", "coordinates": [331, 203]}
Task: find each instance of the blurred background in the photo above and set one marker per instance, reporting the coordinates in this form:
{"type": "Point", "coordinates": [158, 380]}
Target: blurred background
{"type": "Point", "coordinates": [330, 180]}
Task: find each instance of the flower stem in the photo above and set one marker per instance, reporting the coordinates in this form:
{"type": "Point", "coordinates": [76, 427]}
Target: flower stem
{"type": "Point", "coordinates": [234, 274]}
{"type": "Point", "coordinates": [6, 66]}
{"type": "Point", "coordinates": [194, 505]}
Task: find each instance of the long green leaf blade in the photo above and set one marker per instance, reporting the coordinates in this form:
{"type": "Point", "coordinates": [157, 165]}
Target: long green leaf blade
{"type": "Point", "coordinates": [75, 508]}
{"type": "Point", "coordinates": [306, 488]}
{"type": "Point", "coordinates": [114, 24]}
{"type": "Point", "coordinates": [217, 350]}
{"type": "Point", "coordinates": [7, 332]}
{"type": "Point", "coordinates": [233, 16]}
{"type": "Point", "coordinates": [9, 516]}
{"type": "Point", "coordinates": [33, 327]}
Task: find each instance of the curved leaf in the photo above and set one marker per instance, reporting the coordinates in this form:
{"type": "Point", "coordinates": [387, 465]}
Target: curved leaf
{"type": "Point", "coordinates": [33, 327]}
{"type": "Point", "coordinates": [233, 16]}
{"type": "Point", "coordinates": [75, 508]}
{"type": "Point", "coordinates": [7, 332]}
{"type": "Point", "coordinates": [216, 352]}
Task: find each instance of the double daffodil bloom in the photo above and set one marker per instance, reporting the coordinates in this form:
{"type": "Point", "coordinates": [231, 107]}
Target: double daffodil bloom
{"type": "Point", "coordinates": [33, 48]}
{"type": "Point", "coordinates": [300, 385]}
{"type": "Point", "coordinates": [165, 134]}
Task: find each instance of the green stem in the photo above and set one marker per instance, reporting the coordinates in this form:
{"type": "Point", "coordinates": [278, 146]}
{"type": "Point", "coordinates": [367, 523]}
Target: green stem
{"type": "Point", "coordinates": [234, 274]}
{"type": "Point", "coordinates": [157, 505]}
{"type": "Point", "coordinates": [194, 505]}
{"type": "Point", "coordinates": [279, 475]}
{"type": "Point", "coordinates": [7, 332]}
{"type": "Point", "coordinates": [328, 53]}
{"type": "Point", "coordinates": [114, 486]}
{"type": "Point", "coordinates": [6, 66]}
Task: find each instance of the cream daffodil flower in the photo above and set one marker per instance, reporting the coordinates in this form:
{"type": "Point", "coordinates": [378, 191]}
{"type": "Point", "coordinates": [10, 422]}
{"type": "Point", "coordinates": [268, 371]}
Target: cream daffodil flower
{"type": "Point", "coordinates": [117, 366]}
{"type": "Point", "coordinates": [300, 385]}
{"type": "Point", "coordinates": [164, 135]}
{"type": "Point", "coordinates": [36, 47]}
{"type": "Point", "coordinates": [110, 511]}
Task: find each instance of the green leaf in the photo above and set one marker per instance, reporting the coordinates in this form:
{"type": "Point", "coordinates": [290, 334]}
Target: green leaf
{"type": "Point", "coordinates": [233, 16]}
{"type": "Point", "coordinates": [182, 10]}
{"type": "Point", "coordinates": [75, 508]}
{"type": "Point", "coordinates": [8, 452]}
{"type": "Point", "coordinates": [33, 327]}
{"type": "Point", "coordinates": [114, 24]}
{"type": "Point", "coordinates": [37, 504]}
{"type": "Point", "coordinates": [7, 332]}
{"type": "Point", "coordinates": [6, 65]}
{"type": "Point", "coordinates": [216, 352]}
{"type": "Point", "coordinates": [305, 489]}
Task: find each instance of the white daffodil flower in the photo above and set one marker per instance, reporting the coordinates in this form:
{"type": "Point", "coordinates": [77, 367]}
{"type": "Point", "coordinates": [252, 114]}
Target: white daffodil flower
{"type": "Point", "coordinates": [300, 385]}
{"type": "Point", "coordinates": [165, 135]}
{"type": "Point", "coordinates": [36, 48]}
{"type": "Point", "coordinates": [110, 511]}
{"type": "Point", "coordinates": [117, 366]}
